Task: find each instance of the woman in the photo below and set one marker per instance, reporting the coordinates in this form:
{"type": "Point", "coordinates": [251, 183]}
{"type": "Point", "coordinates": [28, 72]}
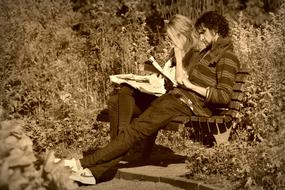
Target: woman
{"type": "Point", "coordinates": [129, 102]}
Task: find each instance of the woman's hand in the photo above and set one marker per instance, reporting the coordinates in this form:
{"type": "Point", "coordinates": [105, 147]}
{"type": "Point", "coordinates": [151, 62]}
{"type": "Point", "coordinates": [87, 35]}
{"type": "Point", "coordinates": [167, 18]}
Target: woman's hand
{"type": "Point", "coordinates": [180, 73]}
{"type": "Point", "coordinates": [186, 83]}
{"type": "Point", "coordinates": [181, 78]}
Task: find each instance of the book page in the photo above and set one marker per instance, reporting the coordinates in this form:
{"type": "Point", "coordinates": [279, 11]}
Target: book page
{"type": "Point", "coordinates": [151, 84]}
{"type": "Point", "coordinates": [164, 71]}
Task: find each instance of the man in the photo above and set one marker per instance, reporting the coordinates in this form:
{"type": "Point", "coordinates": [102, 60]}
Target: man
{"type": "Point", "coordinates": [207, 85]}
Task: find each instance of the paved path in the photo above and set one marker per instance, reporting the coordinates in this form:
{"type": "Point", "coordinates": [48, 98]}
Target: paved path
{"type": "Point", "coordinates": [164, 170]}
{"type": "Point", "coordinates": [122, 184]}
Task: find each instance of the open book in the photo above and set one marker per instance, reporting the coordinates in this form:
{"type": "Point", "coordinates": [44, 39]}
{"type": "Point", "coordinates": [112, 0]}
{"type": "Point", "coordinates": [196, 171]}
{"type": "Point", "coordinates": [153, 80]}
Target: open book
{"type": "Point", "coordinates": [151, 84]}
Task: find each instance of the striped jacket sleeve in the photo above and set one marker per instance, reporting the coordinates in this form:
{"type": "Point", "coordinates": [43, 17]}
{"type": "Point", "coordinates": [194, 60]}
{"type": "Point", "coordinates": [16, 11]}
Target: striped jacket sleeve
{"type": "Point", "coordinates": [220, 95]}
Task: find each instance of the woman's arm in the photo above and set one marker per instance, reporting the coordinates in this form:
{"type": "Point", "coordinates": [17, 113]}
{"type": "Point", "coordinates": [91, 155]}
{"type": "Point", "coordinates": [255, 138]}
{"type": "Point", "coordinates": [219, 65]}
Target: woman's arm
{"type": "Point", "coordinates": [179, 71]}
{"type": "Point", "coordinates": [198, 89]}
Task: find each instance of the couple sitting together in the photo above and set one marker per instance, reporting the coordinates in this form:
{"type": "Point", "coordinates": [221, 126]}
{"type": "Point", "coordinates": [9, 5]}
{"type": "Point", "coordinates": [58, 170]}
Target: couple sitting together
{"type": "Point", "coordinates": [205, 80]}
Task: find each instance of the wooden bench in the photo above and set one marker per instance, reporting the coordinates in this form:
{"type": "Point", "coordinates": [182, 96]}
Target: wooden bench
{"type": "Point", "coordinates": [218, 126]}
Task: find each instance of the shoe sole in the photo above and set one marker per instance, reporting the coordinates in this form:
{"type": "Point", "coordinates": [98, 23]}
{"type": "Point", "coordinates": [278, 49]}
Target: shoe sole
{"type": "Point", "coordinates": [84, 179]}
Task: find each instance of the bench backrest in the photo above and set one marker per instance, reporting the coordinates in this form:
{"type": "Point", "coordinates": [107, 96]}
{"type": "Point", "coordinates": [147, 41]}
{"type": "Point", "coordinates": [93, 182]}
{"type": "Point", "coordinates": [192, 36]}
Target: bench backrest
{"type": "Point", "coordinates": [237, 96]}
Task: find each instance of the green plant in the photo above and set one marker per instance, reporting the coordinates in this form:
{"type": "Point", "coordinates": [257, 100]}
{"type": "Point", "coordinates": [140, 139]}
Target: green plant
{"type": "Point", "coordinates": [261, 50]}
{"type": "Point", "coordinates": [17, 167]}
{"type": "Point", "coordinates": [53, 59]}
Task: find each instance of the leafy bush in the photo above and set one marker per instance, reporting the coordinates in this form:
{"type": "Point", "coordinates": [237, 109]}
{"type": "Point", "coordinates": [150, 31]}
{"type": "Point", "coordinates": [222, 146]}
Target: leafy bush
{"type": "Point", "coordinates": [57, 62]}
{"type": "Point", "coordinates": [262, 51]}
{"type": "Point", "coordinates": [17, 168]}
{"type": "Point", "coordinates": [44, 68]}
{"type": "Point", "coordinates": [240, 165]}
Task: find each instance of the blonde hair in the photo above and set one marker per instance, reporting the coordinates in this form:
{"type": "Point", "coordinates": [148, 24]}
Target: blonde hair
{"type": "Point", "coordinates": [182, 25]}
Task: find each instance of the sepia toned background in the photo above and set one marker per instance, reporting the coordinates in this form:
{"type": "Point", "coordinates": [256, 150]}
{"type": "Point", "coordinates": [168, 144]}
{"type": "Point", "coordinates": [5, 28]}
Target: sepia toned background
{"type": "Point", "coordinates": [55, 62]}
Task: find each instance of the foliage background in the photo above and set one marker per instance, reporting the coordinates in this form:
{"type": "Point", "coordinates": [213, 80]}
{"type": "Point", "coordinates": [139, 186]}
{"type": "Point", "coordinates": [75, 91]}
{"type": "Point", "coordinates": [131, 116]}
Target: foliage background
{"type": "Point", "coordinates": [56, 58]}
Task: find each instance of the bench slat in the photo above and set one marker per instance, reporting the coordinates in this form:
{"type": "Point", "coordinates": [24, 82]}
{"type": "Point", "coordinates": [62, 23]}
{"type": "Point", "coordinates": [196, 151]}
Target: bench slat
{"type": "Point", "coordinates": [238, 96]}
{"type": "Point", "coordinates": [238, 87]}
{"type": "Point", "coordinates": [236, 105]}
{"type": "Point", "coordinates": [240, 78]}
{"type": "Point", "coordinates": [181, 119]}
{"type": "Point", "coordinates": [232, 113]}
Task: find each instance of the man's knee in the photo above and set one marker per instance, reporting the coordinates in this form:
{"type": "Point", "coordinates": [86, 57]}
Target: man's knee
{"type": "Point", "coordinates": [126, 90]}
{"type": "Point", "coordinates": [113, 102]}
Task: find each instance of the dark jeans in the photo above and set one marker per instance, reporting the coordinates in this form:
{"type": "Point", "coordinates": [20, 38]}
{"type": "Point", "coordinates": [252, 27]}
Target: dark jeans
{"type": "Point", "coordinates": [125, 105]}
{"type": "Point", "coordinates": [155, 117]}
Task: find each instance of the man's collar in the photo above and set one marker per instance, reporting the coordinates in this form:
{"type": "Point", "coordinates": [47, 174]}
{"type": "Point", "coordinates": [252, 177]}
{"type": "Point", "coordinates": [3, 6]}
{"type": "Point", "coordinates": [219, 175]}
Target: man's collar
{"type": "Point", "coordinates": [216, 50]}
{"type": "Point", "coordinates": [221, 43]}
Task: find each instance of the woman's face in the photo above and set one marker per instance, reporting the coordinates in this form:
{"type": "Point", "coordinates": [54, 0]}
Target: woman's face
{"type": "Point", "coordinates": [178, 40]}
{"type": "Point", "coordinates": [182, 42]}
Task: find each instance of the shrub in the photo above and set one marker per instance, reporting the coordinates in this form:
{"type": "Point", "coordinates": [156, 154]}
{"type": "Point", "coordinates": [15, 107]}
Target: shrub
{"type": "Point", "coordinates": [44, 68]}
{"type": "Point", "coordinates": [17, 167]}
{"type": "Point", "coordinates": [240, 165]}
{"type": "Point", "coordinates": [261, 50]}
{"type": "Point", "coordinates": [57, 62]}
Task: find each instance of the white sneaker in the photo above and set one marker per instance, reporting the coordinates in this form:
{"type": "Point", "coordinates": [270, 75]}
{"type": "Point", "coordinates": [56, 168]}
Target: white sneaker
{"type": "Point", "coordinates": [73, 163]}
{"type": "Point", "coordinates": [83, 176]}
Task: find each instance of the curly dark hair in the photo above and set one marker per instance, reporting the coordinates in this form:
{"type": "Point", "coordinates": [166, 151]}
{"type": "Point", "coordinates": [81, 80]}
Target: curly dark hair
{"type": "Point", "coordinates": [213, 21]}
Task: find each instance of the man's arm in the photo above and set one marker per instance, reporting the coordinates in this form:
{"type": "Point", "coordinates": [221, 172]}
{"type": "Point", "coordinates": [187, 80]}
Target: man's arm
{"type": "Point", "coordinates": [220, 94]}
{"type": "Point", "coordinates": [226, 71]}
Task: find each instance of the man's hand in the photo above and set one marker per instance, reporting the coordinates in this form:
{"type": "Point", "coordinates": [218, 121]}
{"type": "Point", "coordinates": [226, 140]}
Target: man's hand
{"type": "Point", "coordinates": [189, 85]}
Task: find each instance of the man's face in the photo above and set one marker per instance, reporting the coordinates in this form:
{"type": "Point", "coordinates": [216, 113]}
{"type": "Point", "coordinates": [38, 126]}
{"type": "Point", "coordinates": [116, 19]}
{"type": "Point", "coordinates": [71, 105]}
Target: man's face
{"type": "Point", "coordinates": [206, 36]}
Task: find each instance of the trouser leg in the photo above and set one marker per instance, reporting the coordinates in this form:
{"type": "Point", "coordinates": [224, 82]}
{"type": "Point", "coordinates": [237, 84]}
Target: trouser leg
{"type": "Point", "coordinates": [155, 117]}
{"type": "Point", "coordinates": [124, 105]}
{"type": "Point", "coordinates": [121, 109]}
{"type": "Point", "coordinates": [113, 116]}
{"type": "Point", "coordinates": [148, 145]}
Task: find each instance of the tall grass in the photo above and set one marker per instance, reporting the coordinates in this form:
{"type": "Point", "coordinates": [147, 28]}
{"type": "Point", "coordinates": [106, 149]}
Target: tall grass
{"type": "Point", "coordinates": [192, 9]}
{"type": "Point", "coordinates": [56, 65]}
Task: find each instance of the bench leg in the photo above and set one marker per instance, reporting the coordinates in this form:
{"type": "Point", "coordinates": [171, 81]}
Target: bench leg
{"type": "Point", "coordinates": [223, 138]}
